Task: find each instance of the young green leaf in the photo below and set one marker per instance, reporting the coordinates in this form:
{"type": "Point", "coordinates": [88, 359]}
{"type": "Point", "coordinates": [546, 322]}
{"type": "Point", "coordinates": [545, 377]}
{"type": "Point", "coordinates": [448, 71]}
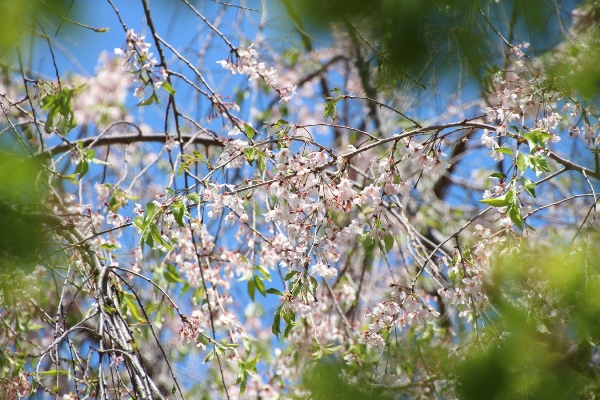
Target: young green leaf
{"type": "Point", "coordinates": [264, 272]}
{"type": "Point", "coordinates": [522, 162]}
{"type": "Point", "coordinates": [389, 242]}
{"type": "Point", "coordinates": [515, 216]}
{"type": "Point", "coordinates": [260, 285]}
{"type": "Point", "coordinates": [539, 164]}
{"type": "Point", "coordinates": [537, 138]}
{"type": "Point", "coordinates": [331, 109]}
{"type": "Point", "coordinates": [290, 275]}
{"type": "Point", "coordinates": [193, 196]}
{"type": "Point", "coordinates": [251, 288]}
{"type": "Point", "coordinates": [275, 328]}
{"type": "Point", "coordinates": [529, 186]}
{"type": "Point", "coordinates": [261, 164]}
{"type": "Point", "coordinates": [504, 150]}
{"type": "Point", "coordinates": [274, 291]}
{"type": "Point", "coordinates": [501, 201]}
{"type": "Point", "coordinates": [82, 168]}
{"type": "Point", "coordinates": [498, 175]}
{"type": "Point", "coordinates": [158, 237]}
{"type": "Point", "coordinates": [171, 274]}
{"type": "Point", "coordinates": [249, 131]}
{"type": "Point", "coordinates": [168, 88]}
{"type": "Point", "coordinates": [209, 356]}
{"type": "Point", "coordinates": [178, 210]}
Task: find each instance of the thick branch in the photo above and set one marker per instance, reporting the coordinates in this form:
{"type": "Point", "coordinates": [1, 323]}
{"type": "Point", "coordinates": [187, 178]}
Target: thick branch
{"type": "Point", "coordinates": [204, 139]}
{"type": "Point", "coordinates": [572, 166]}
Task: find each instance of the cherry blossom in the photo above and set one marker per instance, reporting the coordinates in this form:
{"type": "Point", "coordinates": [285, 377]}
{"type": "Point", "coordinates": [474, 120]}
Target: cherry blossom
{"type": "Point", "coordinates": [290, 204]}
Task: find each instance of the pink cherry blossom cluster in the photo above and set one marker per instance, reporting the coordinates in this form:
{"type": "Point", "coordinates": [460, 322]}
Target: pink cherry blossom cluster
{"type": "Point", "coordinates": [405, 310]}
{"type": "Point", "coordinates": [101, 97]}
{"type": "Point", "coordinates": [141, 63]}
{"type": "Point", "coordinates": [520, 103]}
{"type": "Point", "coordinates": [336, 218]}
{"type": "Point", "coordinates": [244, 60]}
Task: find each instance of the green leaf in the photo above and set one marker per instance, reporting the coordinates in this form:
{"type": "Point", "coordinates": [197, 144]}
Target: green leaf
{"type": "Point", "coordinates": [504, 150]}
{"type": "Point", "coordinates": [49, 124]}
{"type": "Point", "coordinates": [260, 285]}
{"type": "Point", "coordinates": [147, 238]}
{"type": "Point", "coordinates": [109, 246]}
{"type": "Point", "coordinates": [515, 216]}
{"type": "Point", "coordinates": [249, 131]}
{"type": "Point", "coordinates": [149, 101]}
{"type": "Point", "coordinates": [381, 247]}
{"type": "Point", "coordinates": [331, 105]}
{"type": "Point", "coordinates": [336, 91]}
{"type": "Point", "coordinates": [138, 221]}
{"type": "Point", "coordinates": [149, 214]}
{"type": "Point", "coordinates": [242, 378]}
{"type": "Point", "coordinates": [168, 88]}
{"type": "Point", "coordinates": [275, 328]}
{"type": "Point", "coordinates": [511, 196]}
{"type": "Point", "coordinates": [330, 349]}
{"type": "Point", "coordinates": [274, 291]}
{"type": "Point", "coordinates": [158, 237]}
{"type": "Point", "coordinates": [539, 164]}
{"type": "Point", "coordinates": [290, 318]}
{"type": "Point", "coordinates": [251, 364]}
{"type": "Point", "coordinates": [498, 175]}
{"type": "Point", "coordinates": [537, 138]}
{"type": "Point", "coordinates": [186, 287]}
{"type": "Point", "coordinates": [492, 73]}
{"type": "Point", "coordinates": [132, 306]}
{"type": "Point", "coordinates": [331, 109]}
{"type": "Point", "coordinates": [367, 241]}
{"type": "Point", "coordinates": [501, 201]}
{"type": "Point", "coordinates": [296, 288]}
{"type": "Point", "coordinates": [522, 162]}
{"type": "Point", "coordinates": [178, 210]}
{"type": "Point", "coordinates": [171, 274]}
{"type": "Point", "coordinates": [529, 186]}
{"type": "Point", "coordinates": [389, 242]}
{"type": "Point", "coordinates": [182, 168]}
{"type": "Point", "coordinates": [264, 272]}
{"type": "Point", "coordinates": [290, 275]}
{"type": "Point", "coordinates": [225, 344]}
{"type": "Point", "coordinates": [71, 178]}
{"type": "Point", "coordinates": [317, 354]}
{"type": "Point", "coordinates": [250, 154]}
{"type": "Point", "coordinates": [209, 356]}
{"type": "Point", "coordinates": [59, 108]}
{"type": "Point", "coordinates": [193, 196]}
{"type": "Point", "coordinates": [82, 168]}
{"type": "Point", "coordinates": [99, 162]}
{"type": "Point", "coordinates": [313, 285]}
{"type": "Point", "coordinates": [53, 372]}
{"type": "Point", "coordinates": [261, 164]}
{"type": "Point", "coordinates": [251, 288]}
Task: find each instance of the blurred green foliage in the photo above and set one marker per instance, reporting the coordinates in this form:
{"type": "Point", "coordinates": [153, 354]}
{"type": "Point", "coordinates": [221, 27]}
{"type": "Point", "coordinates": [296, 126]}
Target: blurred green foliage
{"type": "Point", "coordinates": [425, 39]}
{"type": "Point", "coordinates": [548, 320]}
{"type": "Point", "coordinates": [574, 67]}
{"type": "Point", "coordinates": [22, 234]}
{"type": "Point", "coordinates": [19, 19]}
{"type": "Point", "coordinates": [539, 340]}
{"type": "Point", "coordinates": [326, 381]}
